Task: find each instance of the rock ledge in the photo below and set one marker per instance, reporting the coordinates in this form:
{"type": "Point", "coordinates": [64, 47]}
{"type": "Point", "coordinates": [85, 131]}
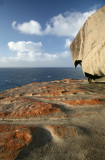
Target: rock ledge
{"type": "Point", "coordinates": [62, 119]}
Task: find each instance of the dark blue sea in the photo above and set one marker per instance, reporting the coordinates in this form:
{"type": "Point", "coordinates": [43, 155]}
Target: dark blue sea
{"type": "Point", "coordinates": [13, 77]}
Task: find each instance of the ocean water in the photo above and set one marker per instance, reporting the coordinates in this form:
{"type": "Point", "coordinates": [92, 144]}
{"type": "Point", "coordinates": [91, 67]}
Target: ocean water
{"type": "Point", "coordinates": [13, 77]}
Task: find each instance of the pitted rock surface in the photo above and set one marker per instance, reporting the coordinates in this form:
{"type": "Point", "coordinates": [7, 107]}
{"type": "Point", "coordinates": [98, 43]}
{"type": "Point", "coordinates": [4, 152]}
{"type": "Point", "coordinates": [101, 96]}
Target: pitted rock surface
{"type": "Point", "coordinates": [62, 119]}
{"type": "Point", "coordinates": [88, 47]}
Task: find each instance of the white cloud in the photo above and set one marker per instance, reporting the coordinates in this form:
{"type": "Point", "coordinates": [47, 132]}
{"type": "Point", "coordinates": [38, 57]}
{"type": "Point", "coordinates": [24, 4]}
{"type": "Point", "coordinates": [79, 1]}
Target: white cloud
{"type": "Point", "coordinates": [31, 54]}
{"type": "Point", "coordinates": [67, 43]}
{"type": "Point", "coordinates": [23, 46]}
{"type": "Point", "coordinates": [67, 24]}
{"type": "Point", "coordinates": [31, 27]}
{"type": "Point", "coordinates": [13, 24]}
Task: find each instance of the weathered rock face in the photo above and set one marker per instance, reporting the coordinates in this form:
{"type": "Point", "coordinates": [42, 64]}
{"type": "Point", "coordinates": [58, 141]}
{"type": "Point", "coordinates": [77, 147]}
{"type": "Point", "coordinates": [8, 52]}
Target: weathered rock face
{"type": "Point", "coordinates": [88, 47]}
{"type": "Point", "coordinates": [63, 119]}
{"type": "Point", "coordinates": [12, 140]}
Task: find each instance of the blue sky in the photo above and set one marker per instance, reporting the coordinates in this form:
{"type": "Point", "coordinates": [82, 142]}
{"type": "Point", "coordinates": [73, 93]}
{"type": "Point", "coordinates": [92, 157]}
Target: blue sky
{"type": "Point", "coordinates": [38, 33]}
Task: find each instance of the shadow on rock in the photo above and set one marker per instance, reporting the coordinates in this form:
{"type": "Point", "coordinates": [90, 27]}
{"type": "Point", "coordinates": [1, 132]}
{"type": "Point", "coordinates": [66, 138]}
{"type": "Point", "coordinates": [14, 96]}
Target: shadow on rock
{"type": "Point", "coordinates": [64, 109]}
{"type": "Point", "coordinates": [84, 130]}
{"type": "Point", "coordinates": [40, 137]}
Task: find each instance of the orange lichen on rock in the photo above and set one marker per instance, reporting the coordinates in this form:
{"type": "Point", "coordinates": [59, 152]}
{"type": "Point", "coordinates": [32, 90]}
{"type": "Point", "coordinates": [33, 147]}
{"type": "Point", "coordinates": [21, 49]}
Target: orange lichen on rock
{"type": "Point", "coordinates": [60, 93]}
{"type": "Point", "coordinates": [6, 101]}
{"type": "Point", "coordinates": [4, 114]}
{"type": "Point", "coordinates": [73, 92]}
{"type": "Point", "coordinates": [25, 107]}
{"type": "Point", "coordinates": [84, 102]}
{"type": "Point", "coordinates": [30, 94]}
{"type": "Point", "coordinates": [62, 131]}
{"type": "Point", "coordinates": [56, 93]}
{"type": "Point", "coordinates": [12, 140]}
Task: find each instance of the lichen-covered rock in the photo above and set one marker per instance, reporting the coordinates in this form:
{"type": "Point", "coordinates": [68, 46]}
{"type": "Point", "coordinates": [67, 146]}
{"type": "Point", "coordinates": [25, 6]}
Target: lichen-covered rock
{"type": "Point", "coordinates": [12, 140]}
{"type": "Point", "coordinates": [62, 119]}
{"type": "Point", "coordinates": [88, 47]}
{"type": "Point", "coordinates": [24, 107]}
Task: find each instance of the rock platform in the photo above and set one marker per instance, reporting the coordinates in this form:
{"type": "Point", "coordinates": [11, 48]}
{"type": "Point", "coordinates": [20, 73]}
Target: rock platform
{"type": "Point", "coordinates": [57, 120]}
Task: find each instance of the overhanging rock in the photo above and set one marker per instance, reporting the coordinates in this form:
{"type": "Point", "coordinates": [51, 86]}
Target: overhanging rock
{"type": "Point", "coordinates": [88, 47]}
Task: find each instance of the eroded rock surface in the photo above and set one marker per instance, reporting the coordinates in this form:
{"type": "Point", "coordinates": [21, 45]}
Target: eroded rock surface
{"type": "Point", "coordinates": [88, 47]}
{"type": "Point", "coordinates": [62, 119]}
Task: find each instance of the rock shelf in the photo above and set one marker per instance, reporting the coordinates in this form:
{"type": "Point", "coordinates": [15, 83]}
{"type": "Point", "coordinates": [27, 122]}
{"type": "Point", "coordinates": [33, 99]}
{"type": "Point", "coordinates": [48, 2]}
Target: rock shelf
{"type": "Point", "coordinates": [62, 119]}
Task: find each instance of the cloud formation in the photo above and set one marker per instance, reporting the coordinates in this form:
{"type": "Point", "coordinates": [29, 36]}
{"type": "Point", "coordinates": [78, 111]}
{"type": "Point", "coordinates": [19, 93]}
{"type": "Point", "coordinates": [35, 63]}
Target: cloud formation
{"type": "Point", "coordinates": [31, 54]}
{"type": "Point", "coordinates": [23, 46]}
{"type": "Point", "coordinates": [67, 24]}
{"type": "Point", "coordinates": [31, 27]}
{"type": "Point", "coordinates": [28, 53]}
{"type": "Point", "coordinates": [67, 43]}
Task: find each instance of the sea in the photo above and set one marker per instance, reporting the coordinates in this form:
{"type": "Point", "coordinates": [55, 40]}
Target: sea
{"type": "Point", "coordinates": [14, 77]}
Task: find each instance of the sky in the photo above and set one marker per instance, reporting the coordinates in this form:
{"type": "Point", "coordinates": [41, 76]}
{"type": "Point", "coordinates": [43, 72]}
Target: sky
{"type": "Point", "coordinates": [38, 33]}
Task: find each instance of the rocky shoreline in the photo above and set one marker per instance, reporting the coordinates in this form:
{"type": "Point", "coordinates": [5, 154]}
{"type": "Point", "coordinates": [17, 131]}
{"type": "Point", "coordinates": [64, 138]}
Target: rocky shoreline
{"type": "Point", "coordinates": [61, 119]}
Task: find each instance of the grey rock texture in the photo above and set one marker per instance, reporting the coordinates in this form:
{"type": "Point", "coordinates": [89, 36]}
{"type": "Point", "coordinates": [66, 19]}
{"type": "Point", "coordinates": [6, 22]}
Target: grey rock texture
{"type": "Point", "coordinates": [88, 47]}
{"type": "Point", "coordinates": [57, 120]}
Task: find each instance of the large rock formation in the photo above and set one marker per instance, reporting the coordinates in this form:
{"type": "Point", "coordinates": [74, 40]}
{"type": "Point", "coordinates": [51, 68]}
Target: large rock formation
{"type": "Point", "coordinates": [88, 47]}
{"type": "Point", "coordinates": [63, 119]}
